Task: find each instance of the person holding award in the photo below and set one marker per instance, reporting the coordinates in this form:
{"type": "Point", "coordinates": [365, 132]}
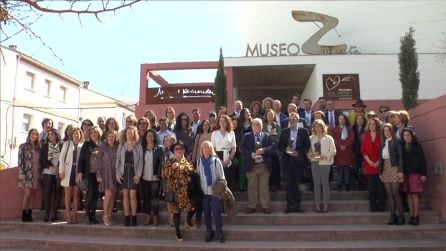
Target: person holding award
{"type": "Point", "coordinates": [321, 155]}
{"type": "Point", "coordinates": [258, 149]}
{"type": "Point", "coordinates": [294, 144]}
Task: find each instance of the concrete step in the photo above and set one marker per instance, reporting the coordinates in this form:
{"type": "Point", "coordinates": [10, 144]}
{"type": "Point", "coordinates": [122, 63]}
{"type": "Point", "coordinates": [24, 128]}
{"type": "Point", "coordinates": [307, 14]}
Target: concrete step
{"type": "Point", "coordinates": [243, 233]}
{"type": "Point", "coordinates": [56, 242]}
{"type": "Point", "coordinates": [280, 218]}
{"type": "Point", "coordinates": [309, 196]}
{"type": "Point", "coordinates": [335, 205]}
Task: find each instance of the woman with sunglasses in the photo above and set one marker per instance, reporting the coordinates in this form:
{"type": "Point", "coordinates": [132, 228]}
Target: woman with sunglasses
{"type": "Point", "coordinates": [177, 171]}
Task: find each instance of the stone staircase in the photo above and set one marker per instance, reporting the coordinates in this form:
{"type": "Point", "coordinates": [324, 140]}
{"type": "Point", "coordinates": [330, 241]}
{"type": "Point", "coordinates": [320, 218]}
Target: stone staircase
{"type": "Point", "coordinates": [348, 226]}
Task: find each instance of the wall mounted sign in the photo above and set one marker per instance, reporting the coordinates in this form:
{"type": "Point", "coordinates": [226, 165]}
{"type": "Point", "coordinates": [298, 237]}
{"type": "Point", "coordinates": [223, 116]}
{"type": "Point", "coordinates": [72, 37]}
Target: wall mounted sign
{"type": "Point", "coordinates": [341, 86]}
{"type": "Point", "coordinates": [311, 46]}
{"type": "Point", "coordinates": [181, 94]}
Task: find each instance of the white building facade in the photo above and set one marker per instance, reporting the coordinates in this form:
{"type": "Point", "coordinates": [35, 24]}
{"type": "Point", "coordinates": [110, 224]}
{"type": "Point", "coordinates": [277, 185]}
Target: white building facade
{"type": "Point", "coordinates": [32, 91]}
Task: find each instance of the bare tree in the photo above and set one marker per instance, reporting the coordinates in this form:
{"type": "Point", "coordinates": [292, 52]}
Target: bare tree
{"type": "Point", "coordinates": [19, 15]}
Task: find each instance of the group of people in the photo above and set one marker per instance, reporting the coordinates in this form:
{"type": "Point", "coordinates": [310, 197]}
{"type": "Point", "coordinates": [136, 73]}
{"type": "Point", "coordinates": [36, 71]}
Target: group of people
{"type": "Point", "coordinates": [182, 160]}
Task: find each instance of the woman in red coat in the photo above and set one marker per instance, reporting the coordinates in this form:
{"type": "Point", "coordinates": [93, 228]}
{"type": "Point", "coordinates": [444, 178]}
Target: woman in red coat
{"type": "Point", "coordinates": [370, 149]}
{"type": "Point", "coordinates": [344, 138]}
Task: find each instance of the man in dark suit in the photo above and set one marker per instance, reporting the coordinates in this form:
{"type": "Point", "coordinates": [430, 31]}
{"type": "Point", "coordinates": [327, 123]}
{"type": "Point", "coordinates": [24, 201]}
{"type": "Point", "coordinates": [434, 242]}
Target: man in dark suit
{"type": "Point", "coordinates": [195, 124]}
{"type": "Point", "coordinates": [258, 148]}
{"type": "Point", "coordinates": [294, 143]}
{"type": "Point", "coordinates": [331, 115]}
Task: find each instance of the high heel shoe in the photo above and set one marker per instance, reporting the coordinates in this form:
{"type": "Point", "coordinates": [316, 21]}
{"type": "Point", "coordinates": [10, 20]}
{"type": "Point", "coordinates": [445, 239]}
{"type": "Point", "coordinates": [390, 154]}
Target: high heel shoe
{"type": "Point", "coordinates": [68, 216]}
{"type": "Point", "coordinates": [106, 220]}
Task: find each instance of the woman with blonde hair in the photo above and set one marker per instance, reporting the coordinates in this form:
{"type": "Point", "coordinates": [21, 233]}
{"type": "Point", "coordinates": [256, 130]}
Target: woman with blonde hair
{"type": "Point", "coordinates": [68, 165]}
{"type": "Point", "coordinates": [28, 166]}
{"type": "Point", "coordinates": [321, 155]}
{"type": "Point", "coordinates": [170, 115]}
{"type": "Point", "coordinates": [210, 169]}
{"type": "Point", "coordinates": [129, 166]}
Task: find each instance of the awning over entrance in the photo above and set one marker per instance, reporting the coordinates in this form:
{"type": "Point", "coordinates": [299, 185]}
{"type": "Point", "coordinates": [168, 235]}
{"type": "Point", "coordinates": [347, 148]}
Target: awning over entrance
{"type": "Point", "coordinates": [277, 81]}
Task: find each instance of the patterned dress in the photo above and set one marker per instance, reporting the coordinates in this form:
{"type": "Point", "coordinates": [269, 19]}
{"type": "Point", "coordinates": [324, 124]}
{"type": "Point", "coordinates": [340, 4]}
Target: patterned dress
{"type": "Point", "coordinates": [28, 163]}
{"type": "Point", "coordinates": [106, 167]}
{"type": "Point", "coordinates": [178, 182]}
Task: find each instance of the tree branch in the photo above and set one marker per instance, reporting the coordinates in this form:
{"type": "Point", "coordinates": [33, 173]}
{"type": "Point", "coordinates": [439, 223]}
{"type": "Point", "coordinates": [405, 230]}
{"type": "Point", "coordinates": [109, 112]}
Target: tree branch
{"type": "Point", "coordinates": [35, 4]}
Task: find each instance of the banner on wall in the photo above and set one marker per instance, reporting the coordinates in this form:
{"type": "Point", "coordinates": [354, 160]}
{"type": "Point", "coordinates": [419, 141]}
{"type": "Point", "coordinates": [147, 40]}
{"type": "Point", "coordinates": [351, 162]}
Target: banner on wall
{"type": "Point", "coordinates": [341, 86]}
{"type": "Point", "coordinates": [181, 94]}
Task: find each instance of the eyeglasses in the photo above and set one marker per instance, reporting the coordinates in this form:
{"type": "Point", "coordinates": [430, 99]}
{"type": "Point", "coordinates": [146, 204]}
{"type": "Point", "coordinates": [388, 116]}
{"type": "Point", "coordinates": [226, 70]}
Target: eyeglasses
{"type": "Point", "coordinates": [178, 148]}
{"type": "Point", "coordinates": [383, 111]}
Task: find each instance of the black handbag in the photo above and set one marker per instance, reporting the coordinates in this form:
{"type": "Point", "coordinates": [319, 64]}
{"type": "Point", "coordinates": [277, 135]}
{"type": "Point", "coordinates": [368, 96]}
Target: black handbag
{"type": "Point", "coordinates": [169, 197]}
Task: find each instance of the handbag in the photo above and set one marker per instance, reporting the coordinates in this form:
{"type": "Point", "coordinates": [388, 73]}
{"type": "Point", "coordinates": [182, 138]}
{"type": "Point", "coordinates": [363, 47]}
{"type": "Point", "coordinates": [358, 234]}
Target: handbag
{"type": "Point", "coordinates": [83, 185]}
{"type": "Point", "coordinates": [169, 197]}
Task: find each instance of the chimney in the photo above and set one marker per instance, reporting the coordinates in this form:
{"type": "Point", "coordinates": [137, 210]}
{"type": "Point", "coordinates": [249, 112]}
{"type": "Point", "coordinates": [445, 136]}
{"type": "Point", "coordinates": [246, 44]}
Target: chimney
{"type": "Point", "coordinates": [86, 84]}
{"type": "Point", "coordinates": [13, 47]}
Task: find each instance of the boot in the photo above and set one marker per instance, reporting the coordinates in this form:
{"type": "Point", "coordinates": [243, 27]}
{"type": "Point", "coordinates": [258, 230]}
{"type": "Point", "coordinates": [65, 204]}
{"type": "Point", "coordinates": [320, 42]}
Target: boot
{"type": "Point", "coordinates": [400, 220]}
{"type": "Point", "coordinates": [133, 221]}
{"type": "Point", "coordinates": [24, 219]}
{"type": "Point", "coordinates": [148, 220]}
{"type": "Point", "coordinates": [127, 221]}
{"type": "Point", "coordinates": [416, 220]}
{"type": "Point", "coordinates": [29, 215]}
{"type": "Point", "coordinates": [54, 216]}
{"type": "Point", "coordinates": [156, 220]}
{"type": "Point", "coordinates": [411, 219]}
{"type": "Point", "coordinates": [393, 219]}
{"type": "Point", "coordinates": [46, 217]}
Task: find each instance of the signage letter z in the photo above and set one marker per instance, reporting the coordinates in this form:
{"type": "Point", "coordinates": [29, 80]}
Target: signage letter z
{"type": "Point", "coordinates": [311, 46]}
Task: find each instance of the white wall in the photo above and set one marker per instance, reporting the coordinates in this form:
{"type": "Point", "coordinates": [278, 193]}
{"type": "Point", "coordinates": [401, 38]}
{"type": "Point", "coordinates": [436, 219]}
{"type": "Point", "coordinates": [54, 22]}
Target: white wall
{"type": "Point", "coordinates": [372, 26]}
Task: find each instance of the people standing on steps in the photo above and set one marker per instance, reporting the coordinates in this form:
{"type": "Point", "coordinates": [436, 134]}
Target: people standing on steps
{"type": "Point", "coordinates": [28, 166]}
{"type": "Point", "coordinates": [151, 175]}
{"type": "Point", "coordinates": [68, 165]}
{"type": "Point", "coordinates": [415, 173]}
{"type": "Point", "coordinates": [106, 173]}
{"type": "Point", "coordinates": [49, 164]}
{"type": "Point", "coordinates": [210, 169]}
{"type": "Point", "coordinates": [129, 165]}
{"type": "Point", "coordinates": [177, 172]}
{"type": "Point", "coordinates": [321, 155]}
{"type": "Point", "coordinates": [391, 172]}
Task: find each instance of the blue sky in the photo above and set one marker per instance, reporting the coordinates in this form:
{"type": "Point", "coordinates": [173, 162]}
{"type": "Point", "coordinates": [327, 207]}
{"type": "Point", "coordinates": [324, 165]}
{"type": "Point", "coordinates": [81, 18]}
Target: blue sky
{"type": "Point", "coordinates": [109, 54]}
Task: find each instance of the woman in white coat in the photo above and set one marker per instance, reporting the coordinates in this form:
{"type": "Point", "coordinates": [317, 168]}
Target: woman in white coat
{"type": "Point", "coordinates": [69, 177]}
{"type": "Point", "coordinates": [321, 154]}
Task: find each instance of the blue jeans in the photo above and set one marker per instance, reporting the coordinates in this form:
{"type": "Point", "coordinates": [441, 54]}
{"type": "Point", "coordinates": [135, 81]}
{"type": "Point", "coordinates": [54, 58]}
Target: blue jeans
{"type": "Point", "coordinates": [212, 204]}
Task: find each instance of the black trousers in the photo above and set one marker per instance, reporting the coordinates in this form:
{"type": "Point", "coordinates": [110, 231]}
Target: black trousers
{"type": "Point", "coordinates": [150, 191]}
{"type": "Point", "coordinates": [377, 192]}
{"type": "Point", "coordinates": [92, 196]}
{"type": "Point", "coordinates": [50, 189]}
{"type": "Point", "coordinates": [274, 179]}
{"type": "Point", "coordinates": [293, 177]}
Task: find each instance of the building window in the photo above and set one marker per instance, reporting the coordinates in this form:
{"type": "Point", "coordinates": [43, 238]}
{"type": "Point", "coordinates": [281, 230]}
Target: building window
{"type": "Point", "coordinates": [47, 88]}
{"type": "Point", "coordinates": [26, 122]}
{"type": "Point", "coordinates": [60, 127]}
{"type": "Point", "coordinates": [29, 81]}
{"type": "Point", "coordinates": [63, 94]}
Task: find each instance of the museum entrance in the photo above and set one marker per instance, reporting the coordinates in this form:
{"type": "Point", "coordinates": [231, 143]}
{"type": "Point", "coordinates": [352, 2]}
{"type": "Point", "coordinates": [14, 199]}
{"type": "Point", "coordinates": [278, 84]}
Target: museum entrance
{"type": "Point", "coordinates": [278, 81]}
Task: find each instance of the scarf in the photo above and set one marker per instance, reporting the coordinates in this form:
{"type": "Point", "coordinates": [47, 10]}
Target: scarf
{"type": "Point", "coordinates": [207, 169]}
{"type": "Point", "coordinates": [344, 133]}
